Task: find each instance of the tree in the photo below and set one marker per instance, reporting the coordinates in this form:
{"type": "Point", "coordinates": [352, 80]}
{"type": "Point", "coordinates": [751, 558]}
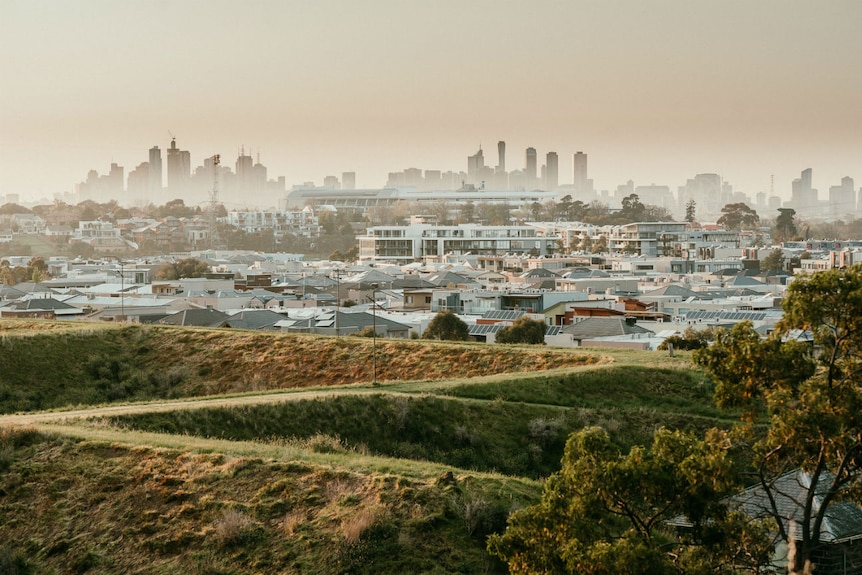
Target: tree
{"type": "Point", "coordinates": [785, 227]}
{"type": "Point", "coordinates": [467, 213]}
{"type": "Point", "coordinates": [774, 261]}
{"type": "Point", "coordinates": [447, 325]}
{"type": "Point", "coordinates": [690, 210]}
{"type": "Point", "coordinates": [523, 330]}
{"type": "Point", "coordinates": [186, 268]}
{"type": "Point", "coordinates": [812, 402]}
{"type": "Point", "coordinates": [738, 217]}
{"type": "Point", "coordinates": [653, 213]}
{"type": "Point", "coordinates": [607, 512]}
{"type": "Point", "coordinates": [690, 339]}
{"type": "Point", "coordinates": [632, 209]}
{"type": "Point", "coordinates": [599, 245]}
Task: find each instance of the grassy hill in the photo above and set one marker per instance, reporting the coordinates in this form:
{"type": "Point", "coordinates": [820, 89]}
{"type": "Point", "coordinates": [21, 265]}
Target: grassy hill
{"type": "Point", "coordinates": [338, 477]}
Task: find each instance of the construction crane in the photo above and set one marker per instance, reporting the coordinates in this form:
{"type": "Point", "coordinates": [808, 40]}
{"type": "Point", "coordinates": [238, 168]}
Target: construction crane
{"type": "Point", "coordinates": [214, 203]}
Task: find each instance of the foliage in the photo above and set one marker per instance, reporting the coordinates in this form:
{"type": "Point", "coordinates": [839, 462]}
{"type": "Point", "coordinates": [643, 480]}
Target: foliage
{"type": "Point", "coordinates": [690, 210]}
{"type": "Point", "coordinates": [689, 340]}
{"type": "Point", "coordinates": [175, 208]}
{"type": "Point", "coordinates": [606, 512]}
{"type": "Point", "coordinates": [36, 270]}
{"type": "Point", "coordinates": [185, 268]}
{"type": "Point", "coordinates": [600, 245]}
{"type": "Point", "coordinates": [12, 208]}
{"type": "Point", "coordinates": [523, 330]}
{"type": "Point", "coordinates": [632, 208]}
{"type": "Point", "coordinates": [785, 226]}
{"type": "Point", "coordinates": [447, 325]}
{"type": "Point", "coordinates": [738, 216]}
{"type": "Point", "coordinates": [812, 402]}
{"type": "Point", "coordinates": [774, 261]}
{"type": "Point", "coordinates": [571, 211]}
{"type": "Point", "coordinates": [367, 331]}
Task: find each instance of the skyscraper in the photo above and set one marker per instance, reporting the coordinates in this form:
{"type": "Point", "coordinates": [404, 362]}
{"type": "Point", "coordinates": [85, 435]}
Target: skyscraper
{"type": "Point", "coordinates": [579, 172]}
{"type": "Point", "coordinates": [155, 173]}
{"type": "Point", "coordinates": [348, 180]}
{"type": "Point", "coordinates": [552, 171]}
{"type": "Point", "coordinates": [501, 154]}
{"type": "Point", "coordinates": [842, 199]}
{"type": "Point", "coordinates": [475, 165]}
{"type": "Point", "coordinates": [179, 167]}
{"type": "Point", "coordinates": [530, 167]}
{"type": "Point", "coordinates": [244, 174]}
{"type": "Point", "coordinates": [803, 197]}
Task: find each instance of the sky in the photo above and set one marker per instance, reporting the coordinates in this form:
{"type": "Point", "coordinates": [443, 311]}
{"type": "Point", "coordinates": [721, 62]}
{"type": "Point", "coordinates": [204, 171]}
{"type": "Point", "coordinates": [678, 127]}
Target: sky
{"type": "Point", "coordinates": [654, 91]}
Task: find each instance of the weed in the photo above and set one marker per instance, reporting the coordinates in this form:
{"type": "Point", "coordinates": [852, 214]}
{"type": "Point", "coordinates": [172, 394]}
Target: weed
{"type": "Point", "coordinates": [233, 528]}
{"type": "Point", "coordinates": [13, 562]}
{"type": "Point", "coordinates": [354, 526]}
{"type": "Point", "coordinates": [291, 522]}
{"type": "Point", "coordinates": [473, 511]}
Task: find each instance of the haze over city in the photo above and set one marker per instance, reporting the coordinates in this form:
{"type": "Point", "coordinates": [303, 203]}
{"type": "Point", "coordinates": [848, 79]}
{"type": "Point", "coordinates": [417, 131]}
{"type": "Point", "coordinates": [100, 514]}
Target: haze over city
{"type": "Point", "coordinates": [655, 92]}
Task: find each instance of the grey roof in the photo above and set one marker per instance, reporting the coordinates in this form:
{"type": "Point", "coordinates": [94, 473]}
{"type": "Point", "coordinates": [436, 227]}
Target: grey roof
{"type": "Point", "coordinates": [539, 273]}
{"type": "Point", "coordinates": [445, 278]}
{"type": "Point", "coordinates": [253, 319]}
{"type": "Point", "coordinates": [585, 273]}
{"type": "Point", "coordinates": [195, 317]}
{"type": "Point", "coordinates": [363, 319]}
{"type": "Point", "coordinates": [591, 327]}
{"type": "Point", "coordinates": [8, 292]}
{"type": "Point", "coordinates": [743, 280]}
{"type": "Point", "coordinates": [42, 303]}
{"type": "Point", "coordinates": [843, 519]}
{"type": "Point", "coordinates": [672, 290]}
{"type": "Point", "coordinates": [348, 322]}
{"type": "Point", "coordinates": [31, 287]}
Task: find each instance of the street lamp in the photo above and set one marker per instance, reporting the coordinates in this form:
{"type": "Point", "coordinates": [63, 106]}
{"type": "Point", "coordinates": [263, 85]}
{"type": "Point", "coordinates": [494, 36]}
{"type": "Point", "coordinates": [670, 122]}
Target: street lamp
{"type": "Point", "coordinates": [374, 334]}
{"type": "Point", "coordinates": [122, 291]}
{"type": "Point", "coordinates": [337, 297]}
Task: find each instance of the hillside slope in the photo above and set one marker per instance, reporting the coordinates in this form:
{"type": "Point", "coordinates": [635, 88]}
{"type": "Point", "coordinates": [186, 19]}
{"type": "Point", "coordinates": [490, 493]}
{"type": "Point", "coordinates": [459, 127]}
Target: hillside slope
{"type": "Point", "coordinates": [81, 364]}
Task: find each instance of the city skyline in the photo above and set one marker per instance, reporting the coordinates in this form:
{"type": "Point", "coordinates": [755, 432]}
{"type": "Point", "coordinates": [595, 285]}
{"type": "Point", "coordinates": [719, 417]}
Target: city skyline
{"type": "Point", "coordinates": [655, 92]}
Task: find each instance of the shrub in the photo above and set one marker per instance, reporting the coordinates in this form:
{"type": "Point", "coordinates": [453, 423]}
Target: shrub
{"type": "Point", "coordinates": [233, 528]}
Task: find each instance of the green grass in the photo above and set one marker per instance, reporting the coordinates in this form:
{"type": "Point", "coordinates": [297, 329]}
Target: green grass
{"type": "Point", "coordinates": [500, 435]}
{"type": "Point", "coordinates": [406, 477]}
{"type": "Point", "coordinates": [72, 506]}
{"type": "Point", "coordinates": [623, 387]}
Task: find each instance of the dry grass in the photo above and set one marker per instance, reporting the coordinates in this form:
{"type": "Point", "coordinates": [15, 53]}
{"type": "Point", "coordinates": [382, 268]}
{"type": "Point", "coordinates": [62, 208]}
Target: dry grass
{"type": "Point", "coordinates": [355, 525]}
{"type": "Point", "coordinates": [233, 527]}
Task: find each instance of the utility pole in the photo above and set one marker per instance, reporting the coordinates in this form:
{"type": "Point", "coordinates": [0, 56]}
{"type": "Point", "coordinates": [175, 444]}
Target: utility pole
{"type": "Point", "coordinates": [374, 334]}
{"type": "Point", "coordinates": [213, 203]}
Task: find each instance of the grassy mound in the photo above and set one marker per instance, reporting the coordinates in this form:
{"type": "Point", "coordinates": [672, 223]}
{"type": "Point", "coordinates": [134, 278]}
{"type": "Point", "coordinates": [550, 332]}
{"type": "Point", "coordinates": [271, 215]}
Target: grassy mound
{"type": "Point", "coordinates": [59, 365]}
{"type": "Point", "coordinates": [84, 507]}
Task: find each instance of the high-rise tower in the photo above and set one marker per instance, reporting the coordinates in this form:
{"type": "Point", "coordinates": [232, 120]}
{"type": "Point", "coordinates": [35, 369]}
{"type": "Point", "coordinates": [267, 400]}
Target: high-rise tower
{"type": "Point", "coordinates": [552, 171]}
{"type": "Point", "coordinates": [475, 166]}
{"type": "Point", "coordinates": [155, 173]}
{"type": "Point", "coordinates": [501, 155]}
{"type": "Point", "coordinates": [179, 167]}
{"type": "Point", "coordinates": [579, 172]}
{"type": "Point", "coordinates": [530, 167]}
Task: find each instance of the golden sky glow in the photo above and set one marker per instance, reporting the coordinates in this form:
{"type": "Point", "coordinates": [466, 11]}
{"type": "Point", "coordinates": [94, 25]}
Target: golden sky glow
{"type": "Point", "coordinates": [653, 90]}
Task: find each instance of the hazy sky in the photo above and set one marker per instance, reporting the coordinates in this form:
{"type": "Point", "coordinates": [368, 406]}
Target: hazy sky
{"type": "Point", "coordinates": [653, 90]}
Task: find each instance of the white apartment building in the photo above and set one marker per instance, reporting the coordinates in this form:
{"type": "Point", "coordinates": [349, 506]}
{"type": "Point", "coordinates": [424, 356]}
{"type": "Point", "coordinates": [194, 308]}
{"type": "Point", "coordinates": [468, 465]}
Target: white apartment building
{"type": "Point", "coordinates": [298, 222]}
{"type": "Point", "coordinates": [407, 244]}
